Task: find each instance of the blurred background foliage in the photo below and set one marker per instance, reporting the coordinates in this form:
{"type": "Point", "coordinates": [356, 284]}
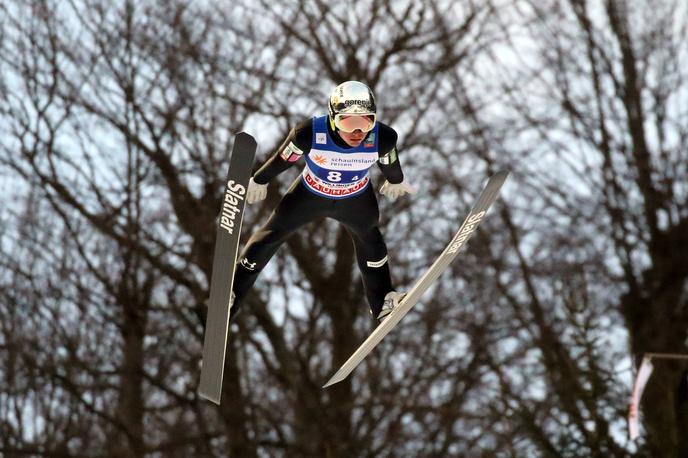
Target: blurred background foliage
{"type": "Point", "coordinates": [117, 119]}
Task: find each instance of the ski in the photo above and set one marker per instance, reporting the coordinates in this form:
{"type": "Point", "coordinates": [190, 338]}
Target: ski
{"type": "Point", "coordinates": [224, 262]}
{"type": "Point", "coordinates": [476, 215]}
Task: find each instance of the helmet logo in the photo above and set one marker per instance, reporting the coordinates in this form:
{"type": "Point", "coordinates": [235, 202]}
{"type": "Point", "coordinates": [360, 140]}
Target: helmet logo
{"type": "Point", "coordinates": [361, 102]}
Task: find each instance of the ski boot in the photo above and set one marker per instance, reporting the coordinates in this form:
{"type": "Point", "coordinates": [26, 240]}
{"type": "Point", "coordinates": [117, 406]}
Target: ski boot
{"type": "Point", "coordinates": [392, 300]}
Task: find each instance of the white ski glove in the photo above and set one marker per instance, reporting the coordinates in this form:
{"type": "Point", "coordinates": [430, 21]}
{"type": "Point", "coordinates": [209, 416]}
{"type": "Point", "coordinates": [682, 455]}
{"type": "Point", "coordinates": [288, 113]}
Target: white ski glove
{"type": "Point", "coordinates": [392, 191]}
{"type": "Point", "coordinates": [256, 192]}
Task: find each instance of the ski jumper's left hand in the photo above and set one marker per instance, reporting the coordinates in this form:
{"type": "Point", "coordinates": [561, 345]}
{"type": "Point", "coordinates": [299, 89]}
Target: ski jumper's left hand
{"type": "Point", "coordinates": [392, 191]}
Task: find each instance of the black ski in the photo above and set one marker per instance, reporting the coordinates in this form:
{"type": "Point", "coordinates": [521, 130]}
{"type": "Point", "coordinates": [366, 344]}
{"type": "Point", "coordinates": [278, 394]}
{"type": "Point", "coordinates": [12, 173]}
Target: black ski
{"type": "Point", "coordinates": [224, 262]}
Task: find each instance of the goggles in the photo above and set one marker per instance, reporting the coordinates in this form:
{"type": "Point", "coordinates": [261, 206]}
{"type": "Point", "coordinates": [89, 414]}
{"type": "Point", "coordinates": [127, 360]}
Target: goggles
{"type": "Point", "coordinates": [351, 122]}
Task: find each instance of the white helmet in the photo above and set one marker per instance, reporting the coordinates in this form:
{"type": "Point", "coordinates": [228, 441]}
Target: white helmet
{"type": "Point", "coordinates": [352, 98]}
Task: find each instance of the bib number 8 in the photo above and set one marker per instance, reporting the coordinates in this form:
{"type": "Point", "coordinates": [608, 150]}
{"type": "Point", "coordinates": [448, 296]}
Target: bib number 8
{"type": "Point", "coordinates": [334, 176]}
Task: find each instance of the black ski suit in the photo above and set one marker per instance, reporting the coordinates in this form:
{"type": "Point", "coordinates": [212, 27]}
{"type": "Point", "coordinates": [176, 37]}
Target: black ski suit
{"type": "Point", "coordinates": [302, 204]}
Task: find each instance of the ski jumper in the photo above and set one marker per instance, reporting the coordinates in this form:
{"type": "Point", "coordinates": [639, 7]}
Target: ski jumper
{"type": "Point", "coordinates": [335, 183]}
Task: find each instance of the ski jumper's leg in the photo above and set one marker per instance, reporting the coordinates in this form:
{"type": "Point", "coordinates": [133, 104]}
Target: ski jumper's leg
{"type": "Point", "coordinates": [360, 215]}
{"type": "Point", "coordinates": [297, 208]}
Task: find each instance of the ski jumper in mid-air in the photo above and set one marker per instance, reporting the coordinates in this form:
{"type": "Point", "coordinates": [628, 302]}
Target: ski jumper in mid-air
{"type": "Point", "coordinates": [338, 149]}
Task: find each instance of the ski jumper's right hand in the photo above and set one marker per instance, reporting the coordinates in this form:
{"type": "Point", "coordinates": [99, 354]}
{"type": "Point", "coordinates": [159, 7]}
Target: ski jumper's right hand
{"type": "Point", "coordinates": [256, 192]}
{"type": "Point", "coordinates": [392, 191]}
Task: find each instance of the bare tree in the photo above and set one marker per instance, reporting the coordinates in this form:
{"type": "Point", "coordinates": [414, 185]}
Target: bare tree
{"type": "Point", "coordinates": [118, 118]}
{"type": "Point", "coordinates": [116, 123]}
{"type": "Point", "coordinates": [601, 156]}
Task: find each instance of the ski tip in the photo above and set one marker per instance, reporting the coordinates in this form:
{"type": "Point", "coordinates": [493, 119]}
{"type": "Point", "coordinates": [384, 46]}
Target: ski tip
{"type": "Point", "coordinates": [245, 137]}
{"type": "Point", "coordinates": [497, 179]}
{"type": "Point", "coordinates": [502, 174]}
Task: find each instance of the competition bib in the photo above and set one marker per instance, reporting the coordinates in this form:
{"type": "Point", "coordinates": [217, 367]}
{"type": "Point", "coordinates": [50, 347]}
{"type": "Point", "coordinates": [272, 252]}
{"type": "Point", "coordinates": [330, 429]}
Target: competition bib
{"type": "Point", "coordinates": [336, 172]}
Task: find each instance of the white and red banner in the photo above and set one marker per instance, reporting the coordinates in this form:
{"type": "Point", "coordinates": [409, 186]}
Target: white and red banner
{"type": "Point", "coordinates": [638, 387]}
